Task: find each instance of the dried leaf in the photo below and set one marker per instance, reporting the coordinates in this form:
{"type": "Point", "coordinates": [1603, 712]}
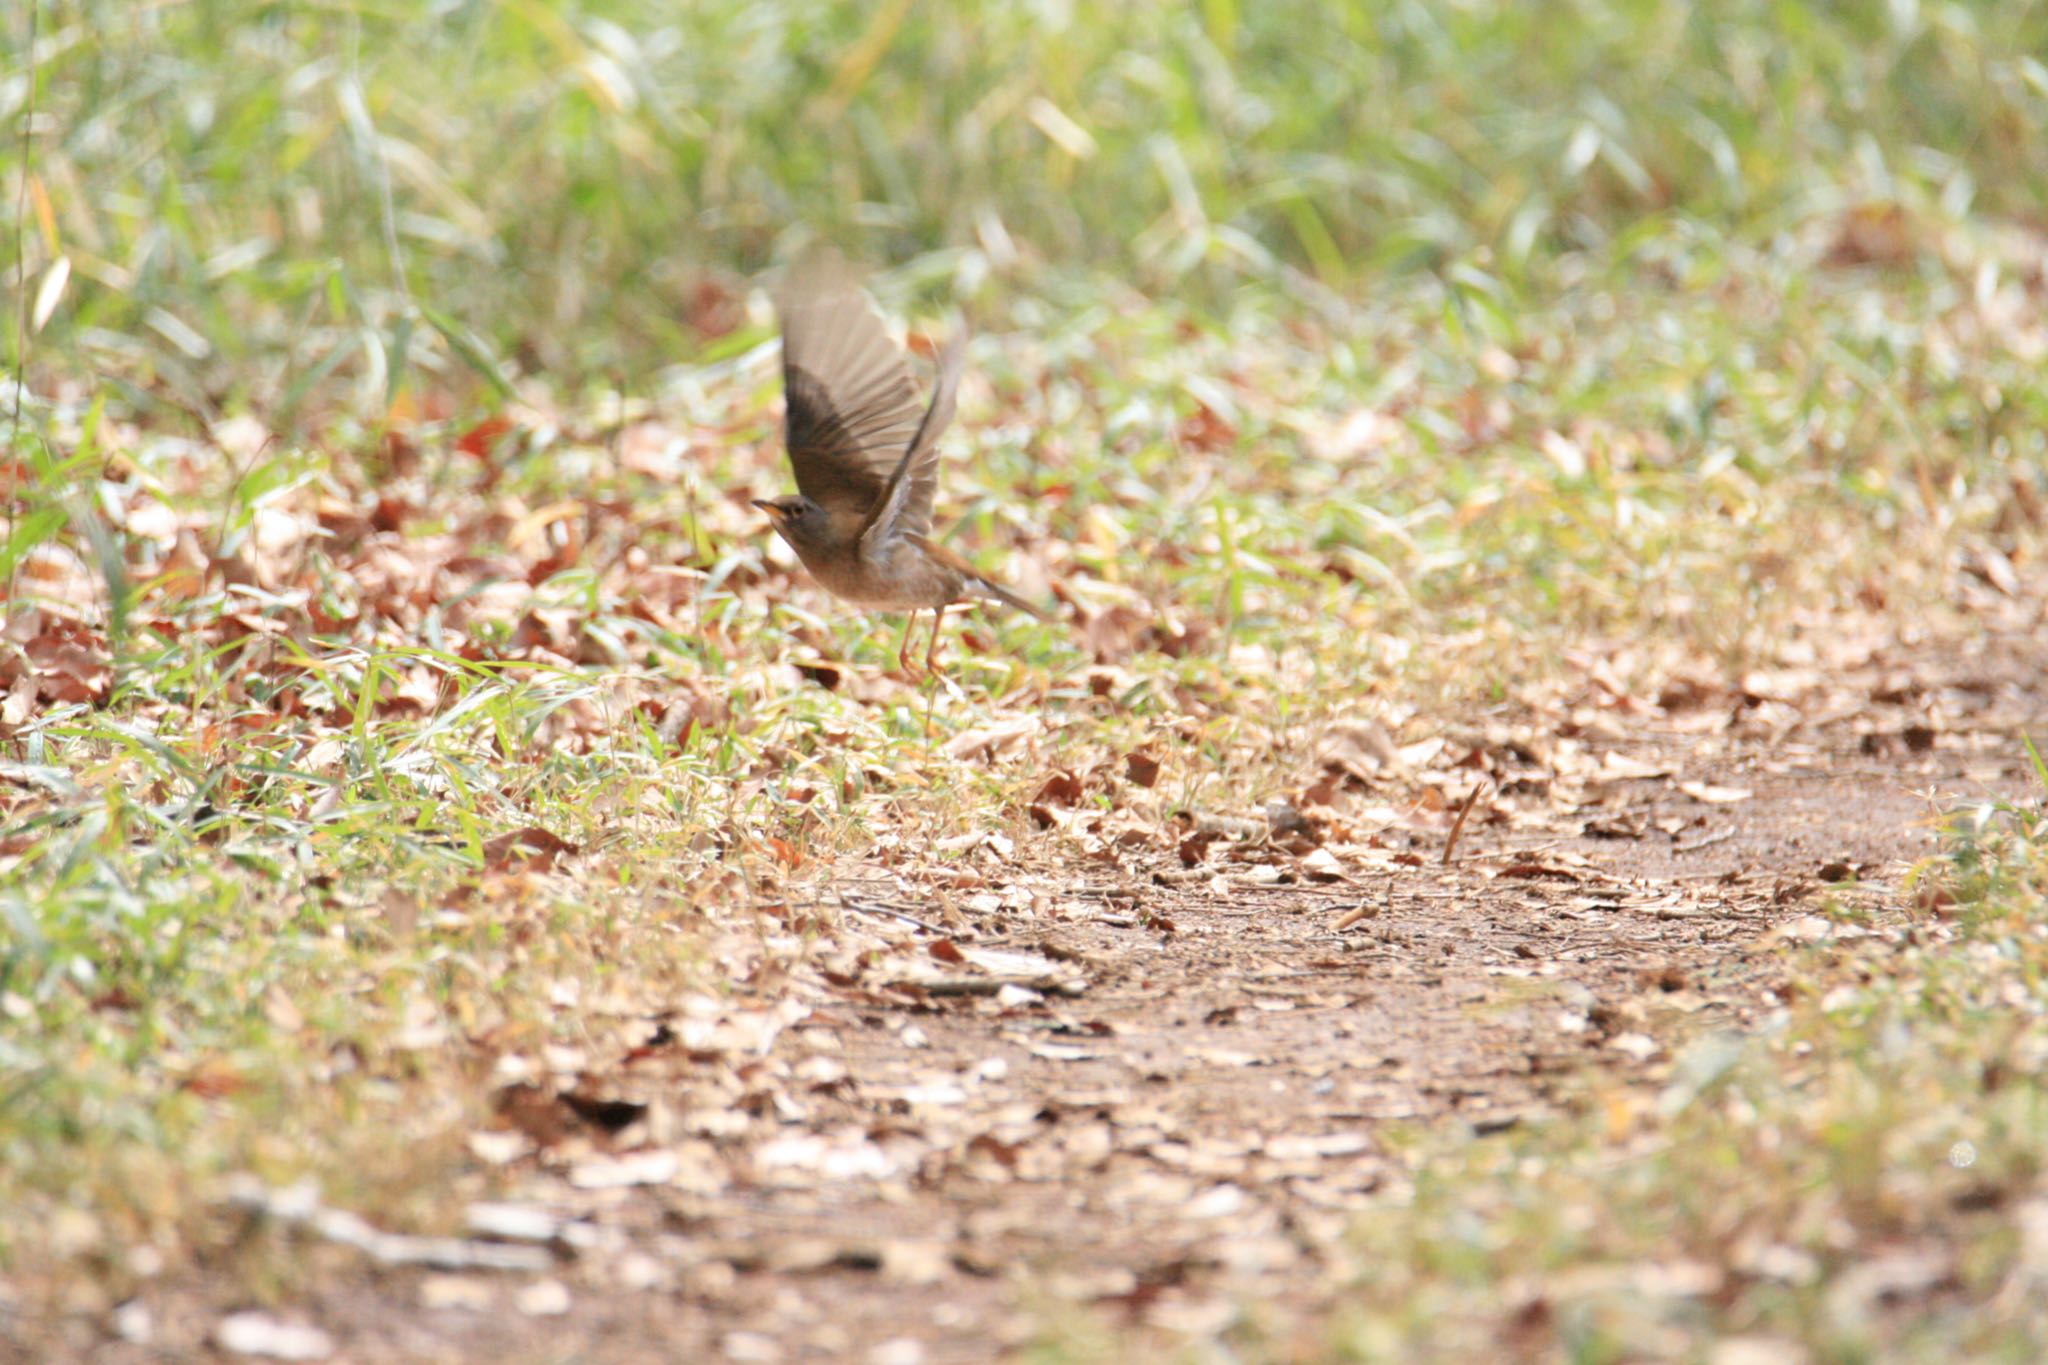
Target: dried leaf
{"type": "Point", "coordinates": [260, 1334]}
{"type": "Point", "coordinates": [531, 849]}
{"type": "Point", "coordinates": [1715, 796]}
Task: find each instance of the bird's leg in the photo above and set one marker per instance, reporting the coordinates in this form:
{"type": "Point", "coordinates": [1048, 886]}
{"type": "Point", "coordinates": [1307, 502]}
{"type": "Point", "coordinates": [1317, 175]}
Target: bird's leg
{"type": "Point", "coordinates": [903, 650]}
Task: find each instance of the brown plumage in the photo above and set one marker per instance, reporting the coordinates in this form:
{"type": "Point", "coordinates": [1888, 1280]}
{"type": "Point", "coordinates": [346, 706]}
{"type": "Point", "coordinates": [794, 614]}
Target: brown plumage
{"type": "Point", "coordinates": [866, 458]}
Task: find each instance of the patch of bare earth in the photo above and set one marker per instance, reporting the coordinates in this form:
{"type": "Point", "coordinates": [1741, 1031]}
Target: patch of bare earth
{"type": "Point", "coordinates": [1155, 1088]}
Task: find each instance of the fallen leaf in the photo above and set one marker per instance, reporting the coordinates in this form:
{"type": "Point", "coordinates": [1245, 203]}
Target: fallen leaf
{"type": "Point", "coordinates": [1359, 749]}
{"type": "Point", "coordinates": [1061, 789]}
{"type": "Point", "coordinates": [460, 1293]}
{"type": "Point", "coordinates": [531, 849]}
{"type": "Point", "coordinates": [479, 441]}
{"type": "Point", "coordinates": [1638, 1046]}
{"type": "Point", "coordinates": [1616, 766]}
{"type": "Point", "coordinates": [635, 1168]}
{"type": "Point", "coordinates": [1303, 1147]}
{"type": "Point", "coordinates": [543, 1299]}
{"type": "Point", "coordinates": [990, 740]}
{"type": "Point", "coordinates": [260, 1334]}
{"type": "Point", "coordinates": [1321, 865]}
{"type": "Point", "coordinates": [1715, 796]}
{"type": "Point", "coordinates": [513, 1222]}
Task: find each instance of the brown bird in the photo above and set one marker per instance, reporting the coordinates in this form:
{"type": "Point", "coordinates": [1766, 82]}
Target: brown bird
{"type": "Point", "coordinates": [867, 459]}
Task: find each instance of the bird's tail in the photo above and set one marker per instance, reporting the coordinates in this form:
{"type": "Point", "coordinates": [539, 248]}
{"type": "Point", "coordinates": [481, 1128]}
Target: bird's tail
{"type": "Point", "coordinates": [997, 593]}
{"type": "Point", "coordinates": [978, 585]}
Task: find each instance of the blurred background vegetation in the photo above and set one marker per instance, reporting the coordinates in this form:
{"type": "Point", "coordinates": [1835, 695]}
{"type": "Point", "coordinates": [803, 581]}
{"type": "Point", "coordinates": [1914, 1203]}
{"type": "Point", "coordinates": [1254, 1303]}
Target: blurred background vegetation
{"type": "Point", "coordinates": [241, 202]}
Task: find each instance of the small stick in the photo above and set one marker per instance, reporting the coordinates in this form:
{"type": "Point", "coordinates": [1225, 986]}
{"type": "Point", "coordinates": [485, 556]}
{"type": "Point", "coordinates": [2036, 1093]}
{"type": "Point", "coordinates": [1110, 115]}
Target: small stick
{"type": "Point", "coordinates": [1362, 910]}
{"type": "Point", "coordinates": [1704, 841]}
{"type": "Point", "coordinates": [865, 908]}
{"type": "Point", "coordinates": [1458, 825]}
{"type": "Point", "coordinates": [1526, 849]}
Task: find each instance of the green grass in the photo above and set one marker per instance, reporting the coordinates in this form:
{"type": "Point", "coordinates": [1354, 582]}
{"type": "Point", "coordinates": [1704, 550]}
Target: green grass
{"type": "Point", "coordinates": [272, 205]}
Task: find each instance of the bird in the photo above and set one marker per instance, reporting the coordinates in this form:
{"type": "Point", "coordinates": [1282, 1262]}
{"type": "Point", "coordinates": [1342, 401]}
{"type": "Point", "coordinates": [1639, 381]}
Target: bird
{"type": "Point", "coordinates": [866, 458]}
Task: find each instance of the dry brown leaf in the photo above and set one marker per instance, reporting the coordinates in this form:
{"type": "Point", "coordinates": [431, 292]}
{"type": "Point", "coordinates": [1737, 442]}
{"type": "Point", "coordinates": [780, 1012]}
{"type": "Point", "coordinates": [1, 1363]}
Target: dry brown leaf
{"type": "Point", "coordinates": [531, 849]}
{"type": "Point", "coordinates": [1360, 749]}
{"type": "Point", "coordinates": [990, 740]}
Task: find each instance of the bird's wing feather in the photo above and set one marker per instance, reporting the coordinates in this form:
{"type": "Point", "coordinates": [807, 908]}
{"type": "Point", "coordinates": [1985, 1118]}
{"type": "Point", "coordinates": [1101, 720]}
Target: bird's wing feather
{"type": "Point", "coordinates": [905, 507]}
{"type": "Point", "coordinates": [852, 407]}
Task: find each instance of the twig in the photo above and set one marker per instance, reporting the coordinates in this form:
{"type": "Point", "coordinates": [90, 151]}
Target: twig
{"type": "Point", "coordinates": [1458, 825]}
{"type": "Point", "coordinates": [846, 903]}
{"type": "Point", "coordinates": [1526, 849]}
{"type": "Point", "coordinates": [300, 1207]}
{"type": "Point", "coordinates": [993, 985]}
{"type": "Point", "coordinates": [1704, 841]}
{"type": "Point", "coordinates": [1362, 910]}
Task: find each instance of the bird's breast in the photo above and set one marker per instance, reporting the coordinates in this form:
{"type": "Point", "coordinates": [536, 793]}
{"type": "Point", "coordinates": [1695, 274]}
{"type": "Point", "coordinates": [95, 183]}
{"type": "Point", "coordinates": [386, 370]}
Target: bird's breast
{"type": "Point", "coordinates": [896, 576]}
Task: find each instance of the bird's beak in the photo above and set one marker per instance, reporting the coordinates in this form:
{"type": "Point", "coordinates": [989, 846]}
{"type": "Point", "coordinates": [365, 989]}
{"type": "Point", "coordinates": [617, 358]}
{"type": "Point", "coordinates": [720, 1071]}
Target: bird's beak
{"type": "Point", "coordinates": [774, 512]}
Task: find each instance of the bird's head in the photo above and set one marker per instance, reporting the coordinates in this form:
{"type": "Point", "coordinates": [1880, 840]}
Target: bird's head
{"type": "Point", "coordinates": [796, 519]}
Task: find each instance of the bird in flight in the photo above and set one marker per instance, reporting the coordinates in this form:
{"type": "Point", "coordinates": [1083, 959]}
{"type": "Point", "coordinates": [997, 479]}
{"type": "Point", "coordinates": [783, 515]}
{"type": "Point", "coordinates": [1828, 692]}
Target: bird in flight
{"type": "Point", "coordinates": [866, 458]}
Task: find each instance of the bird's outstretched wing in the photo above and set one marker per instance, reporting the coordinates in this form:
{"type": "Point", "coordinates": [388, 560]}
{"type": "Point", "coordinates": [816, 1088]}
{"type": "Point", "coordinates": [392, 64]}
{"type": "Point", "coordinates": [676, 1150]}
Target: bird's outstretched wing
{"type": "Point", "coordinates": [905, 507]}
{"type": "Point", "coordinates": [852, 406]}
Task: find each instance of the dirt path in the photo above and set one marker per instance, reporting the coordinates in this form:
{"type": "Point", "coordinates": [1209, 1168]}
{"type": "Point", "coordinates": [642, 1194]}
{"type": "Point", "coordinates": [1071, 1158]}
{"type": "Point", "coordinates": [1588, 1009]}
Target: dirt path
{"type": "Point", "coordinates": [1162, 1094]}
